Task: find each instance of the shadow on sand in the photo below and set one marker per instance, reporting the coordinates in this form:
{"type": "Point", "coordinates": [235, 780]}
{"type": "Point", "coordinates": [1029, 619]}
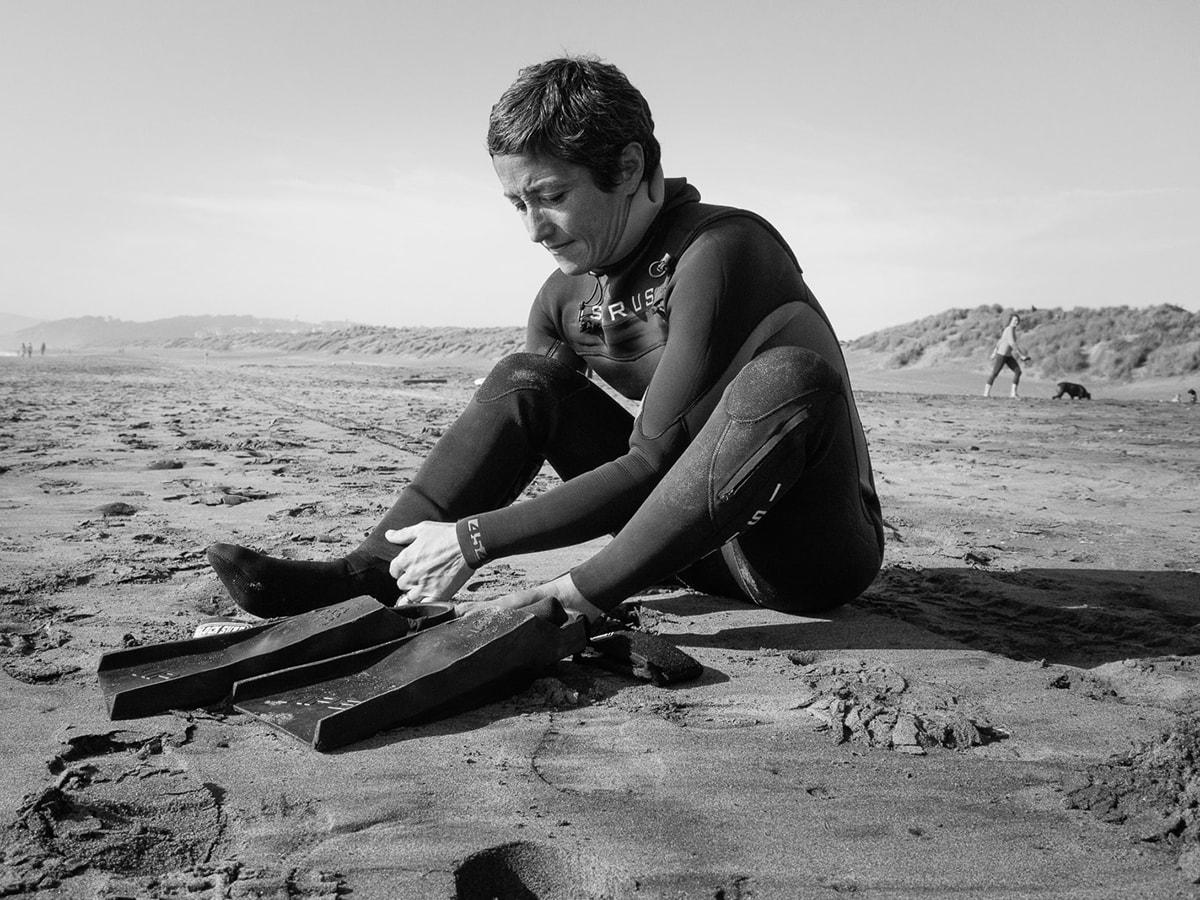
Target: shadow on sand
{"type": "Point", "coordinates": [1076, 617]}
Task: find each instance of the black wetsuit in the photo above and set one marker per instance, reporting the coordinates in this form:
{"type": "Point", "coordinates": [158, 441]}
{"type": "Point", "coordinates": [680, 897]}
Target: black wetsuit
{"type": "Point", "coordinates": [747, 428]}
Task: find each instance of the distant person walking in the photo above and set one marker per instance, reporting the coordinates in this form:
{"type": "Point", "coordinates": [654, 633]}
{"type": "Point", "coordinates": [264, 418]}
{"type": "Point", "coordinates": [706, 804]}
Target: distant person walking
{"type": "Point", "coordinates": [43, 348]}
{"type": "Point", "coordinates": [1006, 353]}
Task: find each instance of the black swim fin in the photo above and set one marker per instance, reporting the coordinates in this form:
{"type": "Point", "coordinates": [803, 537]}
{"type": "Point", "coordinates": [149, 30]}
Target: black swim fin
{"type": "Point", "coordinates": [339, 701]}
{"type": "Point", "coordinates": [149, 680]}
{"type": "Point", "coordinates": [640, 654]}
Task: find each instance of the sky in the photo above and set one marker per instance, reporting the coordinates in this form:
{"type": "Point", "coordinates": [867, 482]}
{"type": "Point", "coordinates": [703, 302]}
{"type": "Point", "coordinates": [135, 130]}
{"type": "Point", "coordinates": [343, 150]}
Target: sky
{"type": "Point", "coordinates": [325, 161]}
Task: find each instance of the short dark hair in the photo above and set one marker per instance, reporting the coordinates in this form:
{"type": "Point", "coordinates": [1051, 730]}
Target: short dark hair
{"type": "Point", "coordinates": [579, 110]}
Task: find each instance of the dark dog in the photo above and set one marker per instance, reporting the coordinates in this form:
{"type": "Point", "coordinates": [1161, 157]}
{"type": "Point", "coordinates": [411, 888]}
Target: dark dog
{"type": "Point", "coordinates": [1072, 390]}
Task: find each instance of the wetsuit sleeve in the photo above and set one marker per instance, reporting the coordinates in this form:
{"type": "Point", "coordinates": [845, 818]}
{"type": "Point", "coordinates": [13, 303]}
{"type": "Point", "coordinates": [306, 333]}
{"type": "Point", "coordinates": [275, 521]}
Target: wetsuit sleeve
{"type": "Point", "coordinates": [719, 271]}
{"type": "Point", "coordinates": [543, 334]}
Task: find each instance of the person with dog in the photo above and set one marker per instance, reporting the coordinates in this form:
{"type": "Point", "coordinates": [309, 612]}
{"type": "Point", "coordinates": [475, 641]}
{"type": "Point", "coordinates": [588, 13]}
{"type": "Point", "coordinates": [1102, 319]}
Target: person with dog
{"type": "Point", "coordinates": [745, 473]}
{"type": "Point", "coordinates": [1005, 353]}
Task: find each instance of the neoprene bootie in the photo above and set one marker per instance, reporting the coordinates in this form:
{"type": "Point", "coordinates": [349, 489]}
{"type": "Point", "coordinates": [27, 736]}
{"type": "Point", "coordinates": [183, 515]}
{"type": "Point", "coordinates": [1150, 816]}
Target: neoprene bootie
{"type": "Point", "coordinates": [268, 587]}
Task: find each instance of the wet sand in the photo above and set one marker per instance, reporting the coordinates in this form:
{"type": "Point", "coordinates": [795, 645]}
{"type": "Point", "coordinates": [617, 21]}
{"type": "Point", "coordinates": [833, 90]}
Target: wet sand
{"type": "Point", "coordinates": [993, 718]}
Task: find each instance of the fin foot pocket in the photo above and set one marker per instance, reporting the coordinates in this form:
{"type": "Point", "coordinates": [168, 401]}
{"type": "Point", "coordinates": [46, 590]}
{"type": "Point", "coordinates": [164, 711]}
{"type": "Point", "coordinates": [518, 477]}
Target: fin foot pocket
{"type": "Point", "coordinates": [647, 656]}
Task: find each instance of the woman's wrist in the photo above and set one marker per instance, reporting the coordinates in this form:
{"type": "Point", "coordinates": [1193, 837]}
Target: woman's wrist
{"type": "Point", "coordinates": [573, 601]}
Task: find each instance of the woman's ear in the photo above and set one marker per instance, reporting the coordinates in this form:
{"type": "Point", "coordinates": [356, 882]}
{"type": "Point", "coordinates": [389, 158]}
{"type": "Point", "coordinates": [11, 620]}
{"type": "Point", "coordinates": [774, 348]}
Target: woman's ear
{"type": "Point", "coordinates": [633, 167]}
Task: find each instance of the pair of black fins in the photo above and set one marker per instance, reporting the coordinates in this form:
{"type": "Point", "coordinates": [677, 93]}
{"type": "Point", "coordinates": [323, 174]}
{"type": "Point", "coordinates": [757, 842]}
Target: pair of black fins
{"type": "Point", "coordinates": [340, 674]}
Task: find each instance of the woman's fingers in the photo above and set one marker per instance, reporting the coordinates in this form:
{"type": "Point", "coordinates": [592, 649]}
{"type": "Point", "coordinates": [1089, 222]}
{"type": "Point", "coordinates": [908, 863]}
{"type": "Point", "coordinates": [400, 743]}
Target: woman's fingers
{"type": "Point", "coordinates": [399, 535]}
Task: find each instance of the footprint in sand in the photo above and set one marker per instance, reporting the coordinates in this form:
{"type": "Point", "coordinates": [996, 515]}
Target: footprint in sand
{"type": "Point", "coordinates": [535, 871]}
{"type": "Point", "coordinates": [120, 804]}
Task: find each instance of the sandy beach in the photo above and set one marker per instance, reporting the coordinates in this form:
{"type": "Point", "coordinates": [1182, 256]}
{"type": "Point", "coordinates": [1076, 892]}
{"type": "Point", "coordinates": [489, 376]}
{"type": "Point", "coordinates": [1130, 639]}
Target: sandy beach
{"type": "Point", "coordinates": [1009, 711]}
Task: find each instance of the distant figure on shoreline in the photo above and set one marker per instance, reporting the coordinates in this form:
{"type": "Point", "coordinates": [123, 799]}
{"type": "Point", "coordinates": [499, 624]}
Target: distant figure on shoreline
{"type": "Point", "coordinates": [1005, 353]}
{"type": "Point", "coordinates": [43, 349]}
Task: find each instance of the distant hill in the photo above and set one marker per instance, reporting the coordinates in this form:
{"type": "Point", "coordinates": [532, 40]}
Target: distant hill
{"type": "Point", "coordinates": [10, 322]}
{"type": "Point", "coordinates": [425, 342]}
{"type": "Point", "coordinates": [248, 333]}
{"type": "Point", "coordinates": [1116, 343]}
{"type": "Point", "coordinates": [87, 332]}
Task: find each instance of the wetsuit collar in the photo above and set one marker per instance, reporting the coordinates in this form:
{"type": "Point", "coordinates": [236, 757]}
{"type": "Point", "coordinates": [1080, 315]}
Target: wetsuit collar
{"type": "Point", "coordinates": [676, 192]}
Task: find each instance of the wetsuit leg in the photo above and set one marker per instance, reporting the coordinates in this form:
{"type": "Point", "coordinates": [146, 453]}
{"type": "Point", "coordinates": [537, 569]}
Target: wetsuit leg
{"type": "Point", "coordinates": [529, 409]}
{"type": "Point", "coordinates": [776, 467]}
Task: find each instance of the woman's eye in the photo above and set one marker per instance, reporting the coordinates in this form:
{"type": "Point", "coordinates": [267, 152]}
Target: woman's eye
{"type": "Point", "coordinates": [554, 198]}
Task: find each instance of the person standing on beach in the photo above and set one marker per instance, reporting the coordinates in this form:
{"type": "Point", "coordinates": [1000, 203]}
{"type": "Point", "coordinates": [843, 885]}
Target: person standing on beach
{"type": "Point", "coordinates": [1005, 353]}
{"type": "Point", "coordinates": [746, 471]}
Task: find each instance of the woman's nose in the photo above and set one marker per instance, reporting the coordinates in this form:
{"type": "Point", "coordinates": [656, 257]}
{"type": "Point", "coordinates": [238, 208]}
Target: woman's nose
{"type": "Point", "coordinates": [537, 225]}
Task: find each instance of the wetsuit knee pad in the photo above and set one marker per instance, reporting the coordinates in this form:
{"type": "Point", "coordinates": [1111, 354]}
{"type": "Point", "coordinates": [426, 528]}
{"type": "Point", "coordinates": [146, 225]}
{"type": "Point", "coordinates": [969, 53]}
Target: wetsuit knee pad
{"type": "Point", "coordinates": [776, 378]}
{"type": "Point", "coordinates": [776, 413]}
{"type": "Point", "coordinates": [809, 581]}
{"type": "Point", "coordinates": [528, 372]}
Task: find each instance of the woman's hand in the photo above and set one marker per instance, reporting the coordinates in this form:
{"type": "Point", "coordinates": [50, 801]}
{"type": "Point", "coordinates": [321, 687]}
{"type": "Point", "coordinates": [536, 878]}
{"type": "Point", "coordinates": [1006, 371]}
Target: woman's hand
{"type": "Point", "coordinates": [431, 567]}
{"type": "Point", "coordinates": [561, 589]}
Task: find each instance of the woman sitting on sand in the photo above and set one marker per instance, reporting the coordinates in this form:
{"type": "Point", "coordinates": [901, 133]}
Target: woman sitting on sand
{"type": "Point", "coordinates": [1003, 355]}
{"type": "Point", "coordinates": [746, 472]}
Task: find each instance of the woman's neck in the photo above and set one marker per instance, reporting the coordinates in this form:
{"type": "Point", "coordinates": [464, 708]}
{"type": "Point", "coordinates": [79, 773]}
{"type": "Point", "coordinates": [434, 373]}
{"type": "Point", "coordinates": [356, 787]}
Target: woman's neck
{"type": "Point", "coordinates": [644, 207]}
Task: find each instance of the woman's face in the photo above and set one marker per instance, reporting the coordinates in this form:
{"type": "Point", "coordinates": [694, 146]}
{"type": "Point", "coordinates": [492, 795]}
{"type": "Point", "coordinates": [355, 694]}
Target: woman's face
{"type": "Point", "coordinates": [564, 211]}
